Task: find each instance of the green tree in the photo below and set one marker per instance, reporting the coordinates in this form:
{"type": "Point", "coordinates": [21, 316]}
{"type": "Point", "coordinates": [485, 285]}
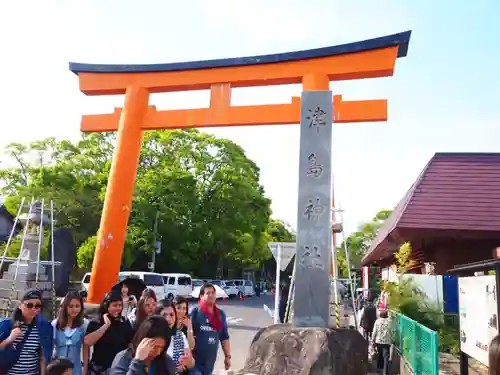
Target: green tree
{"type": "Point", "coordinates": [359, 242]}
{"type": "Point", "coordinates": [205, 192]}
{"type": "Point", "coordinates": [210, 202]}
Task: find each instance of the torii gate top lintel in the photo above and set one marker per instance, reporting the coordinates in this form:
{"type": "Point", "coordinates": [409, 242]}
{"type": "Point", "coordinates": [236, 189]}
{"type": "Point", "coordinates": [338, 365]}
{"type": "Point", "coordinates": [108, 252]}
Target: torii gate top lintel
{"type": "Point", "coordinates": [313, 68]}
{"type": "Point", "coordinates": [364, 59]}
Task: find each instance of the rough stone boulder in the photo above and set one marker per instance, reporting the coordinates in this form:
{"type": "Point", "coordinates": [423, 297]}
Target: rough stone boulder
{"type": "Point", "coordinates": [285, 350]}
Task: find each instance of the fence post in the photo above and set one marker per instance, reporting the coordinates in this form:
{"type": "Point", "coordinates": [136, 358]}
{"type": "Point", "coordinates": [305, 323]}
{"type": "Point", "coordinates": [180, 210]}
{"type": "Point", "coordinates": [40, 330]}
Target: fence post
{"type": "Point", "coordinates": [400, 322]}
{"type": "Point", "coordinates": [435, 353]}
{"type": "Point", "coordinates": [413, 354]}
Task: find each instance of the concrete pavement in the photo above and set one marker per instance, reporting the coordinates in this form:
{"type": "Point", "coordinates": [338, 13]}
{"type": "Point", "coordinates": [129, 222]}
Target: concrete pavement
{"type": "Point", "coordinates": [245, 319]}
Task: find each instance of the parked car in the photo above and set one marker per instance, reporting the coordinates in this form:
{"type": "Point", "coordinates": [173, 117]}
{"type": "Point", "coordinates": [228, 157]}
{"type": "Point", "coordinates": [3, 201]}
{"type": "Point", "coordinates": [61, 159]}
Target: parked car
{"type": "Point", "coordinates": [197, 283]}
{"type": "Point", "coordinates": [178, 284]}
{"type": "Point", "coordinates": [236, 291]}
{"type": "Point", "coordinates": [247, 286]}
{"type": "Point", "coordinates": [228, 287]}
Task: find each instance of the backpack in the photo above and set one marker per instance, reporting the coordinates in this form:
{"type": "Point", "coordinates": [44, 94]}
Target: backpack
{"type": "Point", "coordinates": [369, 317]}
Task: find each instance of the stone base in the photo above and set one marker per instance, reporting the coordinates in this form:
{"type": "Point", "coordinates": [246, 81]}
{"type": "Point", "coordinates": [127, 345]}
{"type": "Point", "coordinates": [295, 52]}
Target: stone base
{"type": "Point", "coordinates": [285, 350]}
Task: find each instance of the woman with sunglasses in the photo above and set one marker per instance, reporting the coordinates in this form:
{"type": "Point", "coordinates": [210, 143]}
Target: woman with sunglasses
{"type": "Point", "coordinates": [29, 331]}
{"type": "Point", "coordinates": [69, 331]}
{"type": "Point", "coordinates": [178, 349]}
{"type": "Point", "coordinates": [147, 353]}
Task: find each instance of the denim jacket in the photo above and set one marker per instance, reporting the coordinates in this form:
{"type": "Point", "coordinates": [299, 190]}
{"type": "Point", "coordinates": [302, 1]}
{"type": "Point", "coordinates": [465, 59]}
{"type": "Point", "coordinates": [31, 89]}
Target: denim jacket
{"type": "Point", "coordinates": [45, 331]}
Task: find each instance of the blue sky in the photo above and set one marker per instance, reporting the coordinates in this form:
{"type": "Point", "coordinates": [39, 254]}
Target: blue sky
{"type": "Point", "coordinates": [444, 95]}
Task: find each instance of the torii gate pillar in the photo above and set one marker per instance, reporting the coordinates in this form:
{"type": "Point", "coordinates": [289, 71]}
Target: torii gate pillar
{"type": "Point", "coordinates": [121, 182]}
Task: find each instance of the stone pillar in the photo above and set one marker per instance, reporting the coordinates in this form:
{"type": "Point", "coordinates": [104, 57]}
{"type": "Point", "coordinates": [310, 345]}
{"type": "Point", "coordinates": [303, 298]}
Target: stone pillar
{"type": "Point", "coordinates": [314, 235]}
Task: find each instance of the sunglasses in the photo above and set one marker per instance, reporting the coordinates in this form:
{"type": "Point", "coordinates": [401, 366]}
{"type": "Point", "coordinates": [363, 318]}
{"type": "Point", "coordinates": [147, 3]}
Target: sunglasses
{"type": "Point", "coordinates": [30, 305]}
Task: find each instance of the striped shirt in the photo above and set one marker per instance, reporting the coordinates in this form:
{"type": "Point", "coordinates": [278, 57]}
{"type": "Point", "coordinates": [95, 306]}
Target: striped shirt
{"type": "Point", "coordinates": [178, 344]}
{"type": "Point", "coordinates": [29, 358]}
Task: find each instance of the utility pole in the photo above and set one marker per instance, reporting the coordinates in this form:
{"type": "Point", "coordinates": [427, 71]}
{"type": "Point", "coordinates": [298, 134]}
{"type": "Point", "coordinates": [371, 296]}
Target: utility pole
{"type": "Point", "coordinates": [157, 243]}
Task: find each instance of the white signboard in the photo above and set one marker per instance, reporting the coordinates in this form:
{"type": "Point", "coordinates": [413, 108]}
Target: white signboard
{"type": "Point", "coordinates": [478, 315]}
{"type": "Point", "coordinates": [287, 252]}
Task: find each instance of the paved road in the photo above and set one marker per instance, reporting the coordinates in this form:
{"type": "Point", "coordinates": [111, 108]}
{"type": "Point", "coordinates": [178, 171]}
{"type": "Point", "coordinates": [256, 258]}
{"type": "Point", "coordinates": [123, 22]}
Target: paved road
{"type": "Point", "coordinates": [245, 318]}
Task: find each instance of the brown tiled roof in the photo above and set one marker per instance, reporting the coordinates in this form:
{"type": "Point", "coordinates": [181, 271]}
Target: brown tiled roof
{"type": "Point", "coordinates": [455, 191]}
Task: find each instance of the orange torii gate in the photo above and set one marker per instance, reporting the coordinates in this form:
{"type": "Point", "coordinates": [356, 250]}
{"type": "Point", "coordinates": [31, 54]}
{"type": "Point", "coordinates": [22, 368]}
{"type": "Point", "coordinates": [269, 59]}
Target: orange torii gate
{"type": "Point", "coordinates": [314, 69]}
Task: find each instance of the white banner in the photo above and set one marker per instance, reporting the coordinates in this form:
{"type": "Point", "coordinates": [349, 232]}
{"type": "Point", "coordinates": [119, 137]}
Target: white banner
{"type": "Point", "coordinates": [478, 315]}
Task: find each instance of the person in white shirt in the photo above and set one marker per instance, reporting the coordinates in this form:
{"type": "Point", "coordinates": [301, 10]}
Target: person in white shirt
{"type": "Point", "coordinates": [129, 301]}
{"type": "Point", "coordinates": [382, 339]}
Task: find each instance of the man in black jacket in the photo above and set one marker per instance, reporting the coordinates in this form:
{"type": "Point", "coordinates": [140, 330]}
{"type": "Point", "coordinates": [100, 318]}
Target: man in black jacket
{"type": "Point", "coordinates": [368, 318]}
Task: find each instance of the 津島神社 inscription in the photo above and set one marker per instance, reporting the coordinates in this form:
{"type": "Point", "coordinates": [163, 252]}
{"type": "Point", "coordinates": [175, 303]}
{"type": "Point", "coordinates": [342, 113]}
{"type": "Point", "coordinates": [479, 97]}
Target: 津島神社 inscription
{"type": "Point", "coordinates": [312, 281]}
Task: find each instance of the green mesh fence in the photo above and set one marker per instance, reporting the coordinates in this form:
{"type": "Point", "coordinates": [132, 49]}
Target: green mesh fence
{"type": "Point", "coordinates": [417, 344]}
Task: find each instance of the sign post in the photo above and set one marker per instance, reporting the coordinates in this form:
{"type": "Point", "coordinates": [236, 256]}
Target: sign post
{"type": "Point", "coordinates": [278, 284]}
{"type": "Point", "coordinates": [283, 252]}
{"type": "Point", "coordinates": [478, 315]}
{"type": "Point", "coordinates": [475, 337]}
{"type": "Point", "coordinates": [157, 244]}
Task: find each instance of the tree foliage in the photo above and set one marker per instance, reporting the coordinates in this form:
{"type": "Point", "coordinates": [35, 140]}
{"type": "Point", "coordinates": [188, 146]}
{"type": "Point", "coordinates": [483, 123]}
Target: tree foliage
{"type": "Point", "coordinates": [359, 242]}
{"type": "Point", "coordinates": [404, 260]}
{"type": "Point", "coordinates": [204, 192]}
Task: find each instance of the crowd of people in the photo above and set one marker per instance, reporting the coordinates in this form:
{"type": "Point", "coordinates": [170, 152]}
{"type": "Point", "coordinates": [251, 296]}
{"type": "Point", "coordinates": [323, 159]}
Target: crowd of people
{"type": "Point", "coordinates": [376, 326]}
{"type": "Point", "coordinates": [129, 336]}
{"type": "Point", "coordinates": [377, 331]}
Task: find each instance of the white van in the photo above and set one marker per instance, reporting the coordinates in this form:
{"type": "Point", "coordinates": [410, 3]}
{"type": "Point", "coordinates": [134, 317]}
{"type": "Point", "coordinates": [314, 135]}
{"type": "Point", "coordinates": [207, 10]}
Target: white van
{"type": "Point", "coordinates": [151, 280]}
{"type": "Point", "coordinates": [178, 284]}
{"type": "Point", "coordinates": [246, 285]}
{"type": "Point", "coordinates": [85, 282]}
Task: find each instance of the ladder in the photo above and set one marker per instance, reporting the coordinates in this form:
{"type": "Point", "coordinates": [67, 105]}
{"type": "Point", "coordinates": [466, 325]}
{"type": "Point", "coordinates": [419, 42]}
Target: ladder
{"type": "Point", "coordinates": [34, 210]}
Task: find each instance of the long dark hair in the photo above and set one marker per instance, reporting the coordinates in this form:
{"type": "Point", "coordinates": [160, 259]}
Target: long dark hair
{"type": "Point", "coordinates": [180, 301]}
{"type": "Point", "coordinates": [494, 356]}
{"type": "Point", "coordinates": [108, 299]}
{"type": "Point", "coordinates": [164, 304]}
{"type": "Point", "coordinates": [62, 316]}
{"type": "Point", "coordinates": [140, 314]}
{"type": "Point", "coordinates": [154, 326]}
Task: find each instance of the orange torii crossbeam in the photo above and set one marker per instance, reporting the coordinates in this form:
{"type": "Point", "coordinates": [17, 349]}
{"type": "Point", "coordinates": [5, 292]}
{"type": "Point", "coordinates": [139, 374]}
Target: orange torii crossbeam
{"type": "Point", "coordinates": [314, 69]}
{"type": "Point", "coordinates": [221, 113]}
